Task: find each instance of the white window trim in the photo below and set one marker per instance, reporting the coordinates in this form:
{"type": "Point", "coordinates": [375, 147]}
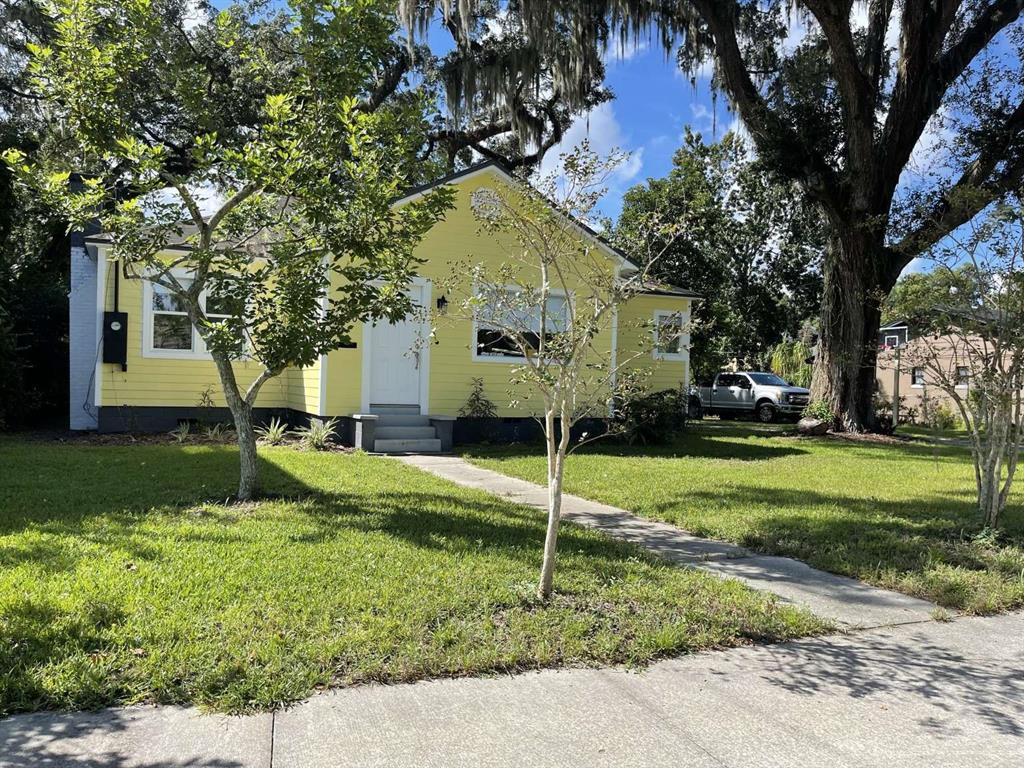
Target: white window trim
{"type": "Point", "coordinates": [912, 384]}
{"type": "Point", "coordinates": [505, 359]}
{"type": "Point", "coordinates": [198, 351]}
{"type": "Point", "coordinates": [679, 356]}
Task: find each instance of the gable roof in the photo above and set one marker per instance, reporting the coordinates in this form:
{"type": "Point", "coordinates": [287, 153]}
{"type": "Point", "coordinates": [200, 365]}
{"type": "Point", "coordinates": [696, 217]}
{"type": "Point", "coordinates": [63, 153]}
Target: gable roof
{"type": "Point", "coordinates": [585, 229]}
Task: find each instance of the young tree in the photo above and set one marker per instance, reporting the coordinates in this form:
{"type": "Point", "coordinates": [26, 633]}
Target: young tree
{"type": "Point", "coordinates": [841, 113]}
{"type": "Point", "coordinates": [751, 247]}
{"type": "Point", "coordinates": [551, 304]}
{"type": "Point", "coordinates": [297, 239]}
{"type": "Point", "coordinates": [968, 316]}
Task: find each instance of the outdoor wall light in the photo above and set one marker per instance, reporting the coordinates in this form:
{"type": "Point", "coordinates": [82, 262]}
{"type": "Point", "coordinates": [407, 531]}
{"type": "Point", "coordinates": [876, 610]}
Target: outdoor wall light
{"type": "Point", "coordinates": [442, 305]}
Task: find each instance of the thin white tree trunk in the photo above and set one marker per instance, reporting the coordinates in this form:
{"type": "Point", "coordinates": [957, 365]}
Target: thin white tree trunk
{"type": "Point", "coordinates": [556, 469]}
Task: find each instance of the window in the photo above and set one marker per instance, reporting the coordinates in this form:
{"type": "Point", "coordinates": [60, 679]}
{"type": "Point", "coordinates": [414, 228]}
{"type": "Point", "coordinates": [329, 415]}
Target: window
{"type": "Point", "coordinates": [769, 380]}
{"type": "Point", "coordinates": [668, 336]}
{"type": "Point", "coordinates": [168, 331]}
{"type": "Point", "coordinates": [502, 312]}
{"type": "Point", "coordinates": [963, 375]}
{"type": "Point", "coordinates": [917, 377]}
{"type": "Point", "coordinates": [171, 327]}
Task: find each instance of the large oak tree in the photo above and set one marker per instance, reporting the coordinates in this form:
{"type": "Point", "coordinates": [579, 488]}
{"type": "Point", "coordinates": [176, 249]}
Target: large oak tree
{"type": "Point", "coordinates": [841, 112]}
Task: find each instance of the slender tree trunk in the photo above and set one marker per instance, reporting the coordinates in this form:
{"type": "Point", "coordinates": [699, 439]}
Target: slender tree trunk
{"type": "Point", "coordinates": [857, 278]}
{"type": "Point", "coordinates": [556, 470]}
{"type": "Point", "coordinates": [241, 413]}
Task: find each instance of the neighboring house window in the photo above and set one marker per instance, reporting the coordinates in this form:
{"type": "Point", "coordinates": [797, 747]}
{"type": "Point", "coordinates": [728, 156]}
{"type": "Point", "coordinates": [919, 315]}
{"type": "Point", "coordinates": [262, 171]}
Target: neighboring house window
{"type": "Point", "coordinates": [963, 375]}
{"type": "Point", "coordinates": [171, 327]}
{"type": "Point", "coordinates": [501, 312]}
{"type": "Point", "coordinates": [917, 377]}
{"type": "Point", "coordinates": [668, 336]}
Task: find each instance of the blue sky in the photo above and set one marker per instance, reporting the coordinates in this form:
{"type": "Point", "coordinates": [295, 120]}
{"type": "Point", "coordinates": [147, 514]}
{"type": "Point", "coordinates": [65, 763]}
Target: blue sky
{"type": "Point", "coordinates": [653, 104]}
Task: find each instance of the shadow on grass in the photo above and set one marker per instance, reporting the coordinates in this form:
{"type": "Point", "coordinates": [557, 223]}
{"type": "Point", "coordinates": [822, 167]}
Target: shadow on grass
{"type": "Point", "coordinates": [690, 445]}
{"type": "Point", "coordinates": [129, 514]}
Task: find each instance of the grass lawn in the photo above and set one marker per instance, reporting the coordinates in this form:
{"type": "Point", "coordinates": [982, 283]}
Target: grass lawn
{"type": "Point", "coordinates": [123, 580]}
{"type": "Point", "coordinates": [919, 430]}
{"type": "Point", "coordinates": [899, 516]}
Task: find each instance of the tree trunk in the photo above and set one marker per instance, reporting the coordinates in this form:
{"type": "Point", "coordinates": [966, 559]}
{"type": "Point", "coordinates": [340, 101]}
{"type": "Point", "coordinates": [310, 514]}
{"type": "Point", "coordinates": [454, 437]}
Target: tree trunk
{"type": "Point", "coordinates": [241, 413]}
{"type": "Point", "coordinates": [556, 470]}
{"type": "Point", "coordinates": [857, 278]}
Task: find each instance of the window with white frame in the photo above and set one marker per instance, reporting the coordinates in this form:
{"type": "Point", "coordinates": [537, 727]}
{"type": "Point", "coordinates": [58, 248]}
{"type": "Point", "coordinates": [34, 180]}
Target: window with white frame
{"type": "Point", "coordinates": [668, 335]}
{"type": "Point", "coordinates": [963, 376]}
{"type": "Point", "coordinates": [917, 376]}
{"type": "Point", "coordinates": [171, 328]}
{"type": "Point", "coordinates": [505, 316]}
{"type": "Point", "coordinates": [168, 330]}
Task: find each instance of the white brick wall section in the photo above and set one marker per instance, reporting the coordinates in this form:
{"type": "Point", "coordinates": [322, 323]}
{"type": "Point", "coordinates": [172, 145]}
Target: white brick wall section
{"type": "Point", "coordinates": [83, 342]}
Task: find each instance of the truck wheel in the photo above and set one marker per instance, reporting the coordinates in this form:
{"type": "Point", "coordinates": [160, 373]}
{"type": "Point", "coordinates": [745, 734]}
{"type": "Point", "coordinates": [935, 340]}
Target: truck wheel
{"type": "Point", "coordinates": [766, 413]}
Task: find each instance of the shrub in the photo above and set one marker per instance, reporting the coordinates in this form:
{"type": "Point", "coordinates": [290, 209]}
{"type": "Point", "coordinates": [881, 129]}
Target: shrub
{"type": "Point", "coordinates": [820, 410]}
{"type": "Point", "coordinates": [942, 416]}
{"type": "Point", "coordinates": [788, 359]}
{"type": "Point", "coordinates": [217, 431]}
{"type": "Point", "coordinates": [478, 405]}
{"type": "Point", "coordinates": [653, 418]}
{"type": "Point", "coordinates": [318, 435]}
{"type": "Point", "coordinates": [272, 433]}
{"type": "Point", "coordinates": [181, 433]}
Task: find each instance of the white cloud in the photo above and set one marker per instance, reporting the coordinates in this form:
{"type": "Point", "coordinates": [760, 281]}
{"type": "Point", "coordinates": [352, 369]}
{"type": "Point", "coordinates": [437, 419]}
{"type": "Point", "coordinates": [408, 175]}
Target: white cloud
{"type": "Point", "coordinates": [624, 51]}
{"type": "Point", "coordinates": [602, 128]}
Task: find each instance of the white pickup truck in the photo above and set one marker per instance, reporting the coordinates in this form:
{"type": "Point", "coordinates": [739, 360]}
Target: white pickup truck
{"type": "Point", "coordinates": [762, 395]}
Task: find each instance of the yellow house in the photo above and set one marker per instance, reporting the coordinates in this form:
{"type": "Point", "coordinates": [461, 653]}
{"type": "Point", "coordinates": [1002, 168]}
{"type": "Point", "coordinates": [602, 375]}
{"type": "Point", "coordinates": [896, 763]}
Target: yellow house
{"type": "Point", "coordinates": [138, 365]}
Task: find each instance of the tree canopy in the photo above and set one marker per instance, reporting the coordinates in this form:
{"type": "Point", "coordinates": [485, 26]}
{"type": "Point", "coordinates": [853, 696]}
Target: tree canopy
{"type": "Point", "coordinates": [749, 244]}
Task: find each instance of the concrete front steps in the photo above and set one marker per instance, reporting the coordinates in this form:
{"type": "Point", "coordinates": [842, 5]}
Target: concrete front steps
{"type": "Point", "coordinates": [403, 430]}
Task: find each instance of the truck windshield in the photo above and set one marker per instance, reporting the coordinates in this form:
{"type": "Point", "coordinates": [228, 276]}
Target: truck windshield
{"type": "Point", "coordinates": [768, 379]}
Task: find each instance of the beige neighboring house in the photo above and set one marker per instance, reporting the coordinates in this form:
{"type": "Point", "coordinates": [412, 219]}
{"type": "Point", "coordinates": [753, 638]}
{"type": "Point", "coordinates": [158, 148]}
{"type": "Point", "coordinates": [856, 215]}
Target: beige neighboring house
{"type": "Point", "coordinates": [916, 385]}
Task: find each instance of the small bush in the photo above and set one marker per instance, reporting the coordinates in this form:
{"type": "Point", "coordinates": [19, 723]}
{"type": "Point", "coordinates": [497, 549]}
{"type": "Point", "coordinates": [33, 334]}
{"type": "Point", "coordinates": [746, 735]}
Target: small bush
{"type": "Point", "coordinates": [942, 416]}
{"type": "Point", "coordinates": [181, 433]}
{"type": "Point", "coordinates": [653, 418]}
{"type": "Point", "coordinates": [318, 435]}
{"type": "Point", "coordinates": [820, 410]}
{"type": "Point", "coordinates": [217, 431]}
{"type": "Point", "coordinates": [478, 405]}
{"type": "Point", "coordinates": [272, 433]}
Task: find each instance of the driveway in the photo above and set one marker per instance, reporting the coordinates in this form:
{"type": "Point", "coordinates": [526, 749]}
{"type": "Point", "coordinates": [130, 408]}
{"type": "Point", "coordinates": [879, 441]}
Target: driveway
{"type": "Point", "coordinates": [924, 694]}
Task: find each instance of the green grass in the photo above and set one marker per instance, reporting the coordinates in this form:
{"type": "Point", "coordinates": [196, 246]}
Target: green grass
{"type": "Point", "coordinates": [899, 516]}
{"type": "Point", "coordinates": [122, 579]}
{"type": "Point", "coordinates": [919, 430]}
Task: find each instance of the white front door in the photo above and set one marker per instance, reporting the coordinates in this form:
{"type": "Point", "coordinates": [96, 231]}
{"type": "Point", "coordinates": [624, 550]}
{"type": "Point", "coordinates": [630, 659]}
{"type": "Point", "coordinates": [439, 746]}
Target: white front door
{"type": "Point", "coordinates": [395, 360]}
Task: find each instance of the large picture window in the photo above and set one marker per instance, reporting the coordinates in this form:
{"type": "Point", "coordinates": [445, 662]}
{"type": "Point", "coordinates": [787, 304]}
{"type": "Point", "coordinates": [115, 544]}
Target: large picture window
{"type": "Point", "coordinates": [504, 313]}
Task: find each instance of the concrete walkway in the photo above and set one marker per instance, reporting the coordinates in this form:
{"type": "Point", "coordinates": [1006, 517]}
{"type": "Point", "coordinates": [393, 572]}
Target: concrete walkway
{"type": "Point", "coordinates": [934, 694]}
{"type": "Point", "coordinates": [849, 602]}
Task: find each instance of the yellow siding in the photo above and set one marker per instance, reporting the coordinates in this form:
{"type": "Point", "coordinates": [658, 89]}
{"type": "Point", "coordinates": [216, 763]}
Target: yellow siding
{"type": "Point", "coordinates": [636, 336]}
{"type": "Point", "coordinates": [151, 381]}
{"type": "Point", "coordinates": [452, 366]}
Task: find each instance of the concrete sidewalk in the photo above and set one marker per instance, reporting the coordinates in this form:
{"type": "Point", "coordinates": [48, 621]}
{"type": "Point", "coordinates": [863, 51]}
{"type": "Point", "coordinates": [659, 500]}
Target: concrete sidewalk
{"type": "Point", "coordinates": [849, 602]}
{"type": "Point", "coordinates": [932, 694]}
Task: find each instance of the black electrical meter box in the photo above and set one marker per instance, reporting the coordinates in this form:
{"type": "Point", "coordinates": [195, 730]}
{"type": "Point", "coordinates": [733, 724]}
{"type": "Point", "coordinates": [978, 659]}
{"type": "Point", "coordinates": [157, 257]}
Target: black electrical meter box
{"type": "Point", "coordinates": [115, 338]}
